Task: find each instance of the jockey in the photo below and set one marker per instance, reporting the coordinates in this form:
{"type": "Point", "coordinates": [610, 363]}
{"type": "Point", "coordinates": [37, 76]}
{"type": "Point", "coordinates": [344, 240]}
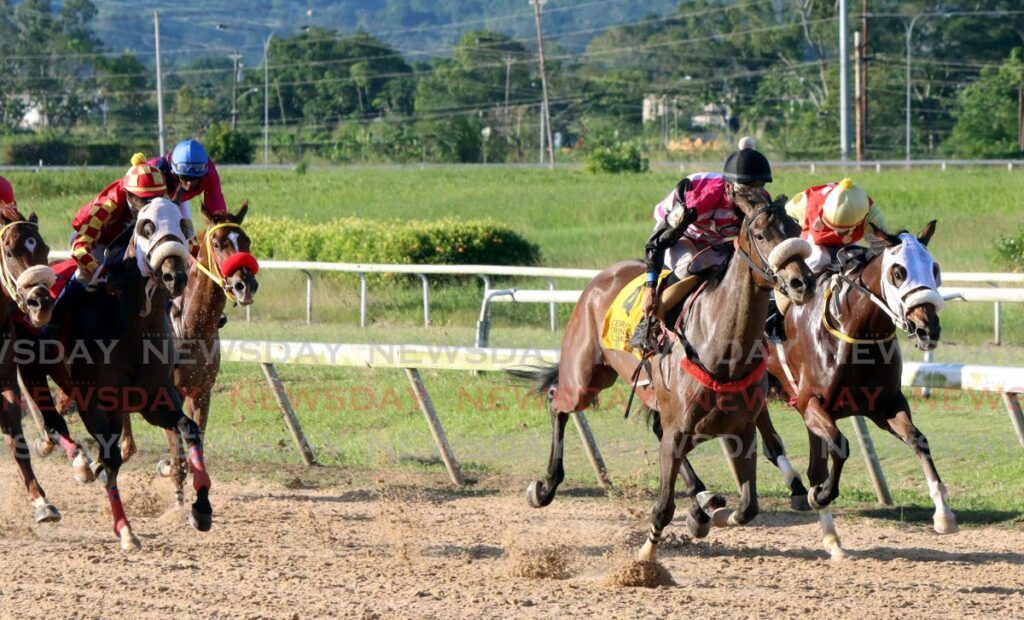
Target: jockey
{"type": "Point", "coordinates": [189, 173]}
{"type": "Point", "coordinates": [694, 226]}
{"type": "Point", "coordinates": [105, 217]}
{"type": "Point", "coordinates": [7, 194]}
{"type": "Point", "coordinates": [831, 217]}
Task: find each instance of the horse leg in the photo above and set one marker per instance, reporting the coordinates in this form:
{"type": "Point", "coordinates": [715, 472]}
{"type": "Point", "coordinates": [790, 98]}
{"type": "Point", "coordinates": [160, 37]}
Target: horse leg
{"type": "Point", "coordinates": [901, 425]}
{"type": "Point", "coordinates": [105, 427]}
{"type": "Point", "coordinates": [744, 462]}
{"type": "Point", "coordinates": [825, 441]}
{"type": "Point", "coordinates": [775, 452]}
{"type": "Point", "coordinates": [38, 390]}
{"type": "Point", "coordinates": [540, 493]}
{"type": "Point", "coordinates": [128, 448]}
{"type": "Point", "coordinates": [14, 435]}
{"type": "Point", "coordinates": [172, 418]}
{"type": "Point", "coordinates": [671, 456]}
{"type": "Point", "coordinates": [198, 409]}
{"type": "Point", "coordinates": [698, 522]}
{"type": "Point", "coordinates": [176, 465]}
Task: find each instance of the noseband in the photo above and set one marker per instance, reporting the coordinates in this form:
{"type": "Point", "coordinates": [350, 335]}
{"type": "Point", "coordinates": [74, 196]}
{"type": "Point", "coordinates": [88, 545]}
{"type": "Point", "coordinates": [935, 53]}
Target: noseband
{"type": "Point", "coordinates": [7, 279]}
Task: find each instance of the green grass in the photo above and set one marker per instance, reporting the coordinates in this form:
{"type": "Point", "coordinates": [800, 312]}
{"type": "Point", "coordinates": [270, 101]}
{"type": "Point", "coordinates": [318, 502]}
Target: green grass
{"type": "Point", "coordinates": [578, 220]}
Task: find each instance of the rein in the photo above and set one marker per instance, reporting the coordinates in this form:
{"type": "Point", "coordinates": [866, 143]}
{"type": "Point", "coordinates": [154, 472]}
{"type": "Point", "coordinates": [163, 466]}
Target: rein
{"type": "Point", "coordinates": [765, 272]}
{"type": "Point", "coordinates": [7, 279]}
{"type": "Point", "coordinates": [897, 320]}
{"type": "Point", "coordinates": [213, 270]}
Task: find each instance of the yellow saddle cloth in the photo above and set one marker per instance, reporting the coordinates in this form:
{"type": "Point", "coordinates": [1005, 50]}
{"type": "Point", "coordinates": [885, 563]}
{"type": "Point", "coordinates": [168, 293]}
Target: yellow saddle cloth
{"type": "Point", "coordinates": [625, 314]}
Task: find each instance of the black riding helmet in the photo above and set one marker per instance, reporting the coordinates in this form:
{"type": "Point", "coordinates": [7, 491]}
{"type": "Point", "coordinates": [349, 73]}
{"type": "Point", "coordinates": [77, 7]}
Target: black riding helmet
{"type": "Point", "coordinates": [747, 164]}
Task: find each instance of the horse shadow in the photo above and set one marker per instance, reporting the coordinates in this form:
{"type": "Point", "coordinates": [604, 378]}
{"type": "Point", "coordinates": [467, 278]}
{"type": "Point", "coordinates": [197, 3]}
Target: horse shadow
{"type": "Point", "coordinates": [915, 513]}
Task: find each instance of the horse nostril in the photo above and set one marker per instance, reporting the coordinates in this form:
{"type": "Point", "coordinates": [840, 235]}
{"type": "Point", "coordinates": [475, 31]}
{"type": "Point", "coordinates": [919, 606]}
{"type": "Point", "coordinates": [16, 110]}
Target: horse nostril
{"type": "Point", "coordinates": [796, 284]}
{"type": "Point", "coordinates": [168, 278]}
{"type": "Point", "coordinates": [239, 287]}
{"type": "Point", "coordinates": [32, 302]}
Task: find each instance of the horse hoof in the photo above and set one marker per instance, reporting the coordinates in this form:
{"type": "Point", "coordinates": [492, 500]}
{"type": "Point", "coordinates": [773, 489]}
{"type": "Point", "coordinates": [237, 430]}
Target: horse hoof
{"type": "Point", "coordinates": [83, 474]}
{"type": "Point", "coordinates": [812, 499]}
{"type": "Point", "coordinates": [129, 541]}
{"type": "Point", "coordinates": [833, 546]}
{"type": "Point", "coordinates": [945, 524]}
{"type": "Point", "coordinates": [709, 501]}
{"type": "Point", "coordinates": [47, 513]}
{"type": "Point", "coordinates": [535, 495]}
{"type": "Point", "coordinates": [647, 552]}
{"type": "Point", "coordinates": [43, 447]}
{"type": "Point", "coordinates": [99, 472]}
{"type": "Point", "coordinates": [696, 528]}
{"type": "Point", "coordinates": [800, 503]}
{"type": "Point", "coordinates": [720, 517]}
{"type": "Point", "coordinates": [201, 521]}
{"type": "Point", "coordinates": [163, 467]}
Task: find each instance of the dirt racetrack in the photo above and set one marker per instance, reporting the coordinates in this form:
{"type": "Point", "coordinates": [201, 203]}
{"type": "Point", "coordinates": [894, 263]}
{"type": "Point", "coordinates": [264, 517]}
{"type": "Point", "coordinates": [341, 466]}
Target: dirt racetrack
{"type": "Point", "coordinates": [380, 550]}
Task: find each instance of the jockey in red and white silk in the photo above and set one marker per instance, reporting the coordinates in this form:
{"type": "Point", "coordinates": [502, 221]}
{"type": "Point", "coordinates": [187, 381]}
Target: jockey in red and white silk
{"type": "Point", "coordinates": [7, 194]}
{"type": "Point", "coordinates": [833, 216]}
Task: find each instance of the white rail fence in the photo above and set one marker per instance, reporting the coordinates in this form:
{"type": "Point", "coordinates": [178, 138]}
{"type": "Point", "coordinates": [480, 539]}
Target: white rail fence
{"type": "Point", "coordinates": [1008, 381]}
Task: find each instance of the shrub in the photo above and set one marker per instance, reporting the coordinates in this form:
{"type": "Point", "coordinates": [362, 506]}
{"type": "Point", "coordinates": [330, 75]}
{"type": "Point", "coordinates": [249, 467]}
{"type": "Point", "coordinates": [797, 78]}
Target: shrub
{"type": "Point", "coordinates": [1010, 249]}
{"type": "Point", "coordinates": [615, 159]}
{"type": "Point", "coordinates": [354, 240]}
{"type": "Point", "coordinates": [227, 145]}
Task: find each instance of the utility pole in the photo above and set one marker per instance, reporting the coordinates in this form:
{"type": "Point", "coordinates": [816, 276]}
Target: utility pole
{"type": "Point", "coordinates": [235, 56]}
{"type": "Point", "coordinates": [844, 81]}
{"type": "Point", "coordinates": [159, 87]}
{"type": "Point", "coordinates": [544, 82]}
{"type": "Point", "coordinates": [858, 108]}
{"type": "Point", "coordinates": [1020, 118]}
{"type": "Point", "coordinates": [508, 81]}
{"type": "Point", "coordinates": [266, 99]}
{"type": "Point", "coordinates": [864, 75]}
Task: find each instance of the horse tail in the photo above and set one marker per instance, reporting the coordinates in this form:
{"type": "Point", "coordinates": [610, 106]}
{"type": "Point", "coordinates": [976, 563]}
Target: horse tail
{"type": "Point", "coordinates": [543, 378]}
{"type": "Point", "coordinates": [652, 420]}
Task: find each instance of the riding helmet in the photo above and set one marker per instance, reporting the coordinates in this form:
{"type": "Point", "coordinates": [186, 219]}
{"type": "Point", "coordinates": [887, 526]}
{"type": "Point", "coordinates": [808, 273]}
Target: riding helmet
{"type": "Point", "coordinates": [189, 159]}
{"type": "Point", "coordinates": [747, 164]}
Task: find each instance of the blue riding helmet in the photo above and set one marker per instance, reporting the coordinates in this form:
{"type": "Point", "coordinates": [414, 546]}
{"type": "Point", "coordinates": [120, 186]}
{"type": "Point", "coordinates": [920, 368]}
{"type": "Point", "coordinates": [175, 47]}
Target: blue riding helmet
{"type": "Point", "coordinates": [189, 159]}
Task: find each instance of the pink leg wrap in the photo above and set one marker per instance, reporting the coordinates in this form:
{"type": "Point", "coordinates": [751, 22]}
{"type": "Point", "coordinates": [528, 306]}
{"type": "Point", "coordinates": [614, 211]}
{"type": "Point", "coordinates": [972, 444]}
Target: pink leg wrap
{"type": "Point", "coordinates": [200, 478]}
{"type": "Point", "coordinates": [70, 447]}
{"type": "Point", "coordinates": [120, 520]}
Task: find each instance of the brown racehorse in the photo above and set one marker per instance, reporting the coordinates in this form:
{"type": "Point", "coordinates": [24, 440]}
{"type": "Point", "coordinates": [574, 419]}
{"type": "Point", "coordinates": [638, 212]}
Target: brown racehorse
{"type": "Point", "coordinates": [25, 279]}
{"type": "Point", "coordinates": [121, 353]}
{"type": "Point", "coordinates": [724, 338]}
{"type": "Point", "coordinates": [225, 269]}
{"type": "Point", "coordinates": [842, 359]}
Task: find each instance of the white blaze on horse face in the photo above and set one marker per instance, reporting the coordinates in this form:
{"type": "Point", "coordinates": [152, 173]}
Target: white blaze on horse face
{"type": "Point", "coordinates": [919, 287]}
{"type": "Point", "coordinates": [30, 245]}
{"type": "Point", "coordinates": [233, 237]}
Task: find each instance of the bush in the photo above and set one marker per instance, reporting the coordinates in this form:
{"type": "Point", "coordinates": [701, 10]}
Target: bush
{"type": "Point", "coordinates": [53, 150]}
{"type": "Point", "coordinates": [228, 146]}
{"type": "Point", "coordinates": [354, 240]}
{"type": "Point", "coordinates": [1010, 250]}
{"type": "Point", "coordinates": [623, 158]}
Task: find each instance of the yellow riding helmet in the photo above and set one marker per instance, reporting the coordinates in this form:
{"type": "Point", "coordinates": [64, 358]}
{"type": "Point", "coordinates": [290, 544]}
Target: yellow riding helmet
{"type": "Point", "coordinates": [144, 180]}
{"type": "Point", "coordinates": [846, 205]}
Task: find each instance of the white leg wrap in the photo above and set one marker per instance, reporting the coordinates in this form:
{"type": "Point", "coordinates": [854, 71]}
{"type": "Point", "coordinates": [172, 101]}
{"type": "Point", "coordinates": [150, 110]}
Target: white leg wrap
{"type": "Point", "coordinates": [788, 473]}
{"type": "Point", "coordinates": [703, 499]}
{"type": "Point", "coordinates": [830, 538]}
{"type": "Point", "coordinates": [39, 502]}
{"type": "Point", "coordinates": [944, 520]}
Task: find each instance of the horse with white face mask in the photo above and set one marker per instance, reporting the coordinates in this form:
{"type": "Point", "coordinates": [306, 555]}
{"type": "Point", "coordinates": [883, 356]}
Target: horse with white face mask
{"type": "Point", "coordinates": [842, 359]}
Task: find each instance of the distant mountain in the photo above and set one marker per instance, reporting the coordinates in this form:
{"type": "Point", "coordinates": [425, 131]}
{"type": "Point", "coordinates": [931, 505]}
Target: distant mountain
{"type": "Point", "coordinates": [419, 28]}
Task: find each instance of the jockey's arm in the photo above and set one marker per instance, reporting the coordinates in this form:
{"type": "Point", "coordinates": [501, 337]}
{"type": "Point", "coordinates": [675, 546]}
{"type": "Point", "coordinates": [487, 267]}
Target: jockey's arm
{"type": "Point", "coordinates": [100, 214]}
{"type": "Point", "coordinates": [213, 196]}
{"type": "Point", "coordinates": [666, 233]}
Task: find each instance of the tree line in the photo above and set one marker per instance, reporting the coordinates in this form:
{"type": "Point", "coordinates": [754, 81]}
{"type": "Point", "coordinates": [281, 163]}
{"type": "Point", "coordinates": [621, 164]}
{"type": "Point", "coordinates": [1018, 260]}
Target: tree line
{"type": "Point", "coordinates": [704, 73]}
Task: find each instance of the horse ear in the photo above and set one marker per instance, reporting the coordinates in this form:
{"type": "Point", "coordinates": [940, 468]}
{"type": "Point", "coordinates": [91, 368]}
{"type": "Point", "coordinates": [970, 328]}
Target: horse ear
{"type": "Point", "coordinates": [32, 217]}
{"type": "Point", "coordinates": [887, 239]}
{"type": "Point", "coordinates": [206, 212]}
{"type": "Point", "coordinates": [240, 216]}
{"type": "Point", "coordinates": [926, 233]}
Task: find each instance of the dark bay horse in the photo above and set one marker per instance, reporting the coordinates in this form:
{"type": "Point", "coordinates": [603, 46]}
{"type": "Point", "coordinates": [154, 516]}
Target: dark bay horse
{"type": "Point", "coordinates": [724, 339]}
{"type": "Point", "coordinates": [26, 280]}
{"type": "Point", "coordinates": [126, 355]}
{"type": "Point", "coordinates": [224, 270]}
{"type": "Point", "coordinates": [842, 359]}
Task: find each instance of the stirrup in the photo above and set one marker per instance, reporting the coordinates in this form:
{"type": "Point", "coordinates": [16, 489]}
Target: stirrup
{"type": "Point", "coordinates": [643, 338]}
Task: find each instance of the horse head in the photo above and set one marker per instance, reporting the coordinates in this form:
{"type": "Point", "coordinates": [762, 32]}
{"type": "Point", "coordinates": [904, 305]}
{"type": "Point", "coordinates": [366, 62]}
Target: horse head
{"type": "Point", "coordinates": [24, 271]}
{"type": "Point", "coordinates": [226, 253]}
{"type": "Point", "coordinates": [910, 280]}
{"type": "Point", "coordinates": [770, 243]}
{"type": "Point", "coordinates": [159, 241]}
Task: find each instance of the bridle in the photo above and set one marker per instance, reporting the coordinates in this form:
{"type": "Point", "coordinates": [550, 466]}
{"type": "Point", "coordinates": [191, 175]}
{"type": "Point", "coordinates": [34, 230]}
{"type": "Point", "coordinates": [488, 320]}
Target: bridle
{"type": "Point", "coordinates": [213, 270]}
{"type": "Point", "coordinates": [766, 272]}
{"type": "Point", "coordinates": [899, 321]}
{"type": "Point", "coordinates": [7, 279]}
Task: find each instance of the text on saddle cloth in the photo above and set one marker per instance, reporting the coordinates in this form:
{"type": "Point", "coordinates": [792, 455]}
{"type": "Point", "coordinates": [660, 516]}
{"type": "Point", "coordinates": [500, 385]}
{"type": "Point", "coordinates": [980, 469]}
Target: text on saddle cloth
{"type": "Point", "coordinates": [625, 314]}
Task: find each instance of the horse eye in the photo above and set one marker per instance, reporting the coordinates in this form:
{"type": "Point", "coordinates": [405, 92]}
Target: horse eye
{"type": "Point", "coordinates": [897, 274]}
{"type": "Point", "coordinates": [937, 273]}
{"type": "Point", "coordinates": [146, 228]}
{"type": "Point", "coordinates": [8, 253]}
{"type": "Point", "coordinates": [759, 237]}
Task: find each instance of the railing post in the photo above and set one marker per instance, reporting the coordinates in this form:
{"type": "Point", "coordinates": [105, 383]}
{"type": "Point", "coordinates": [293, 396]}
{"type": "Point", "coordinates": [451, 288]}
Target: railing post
{"type": "Point", "coordinates": [926, 392]}
{"type": "Point", "coordinates": [419, 391]}
{"type": "Point", "coordinates": [309, 296]}
{"type": "Point", "coordinates": [290, 419]}
{"type": "Point", "coordinates": [552, 311]}
{"type": "Point", "coordinates": [1016, 416]}
{"type": "Point", "coordinates": [362, 300]}
{"type": "Point", "coordinates": [487, 283]}
{"type": "Point", "coordinates": [871, 460]}
{"type": "Point", "coordinates": [426, 299]}
{"type": "Point", "coordinates": [998, 323]}
{"type": "Point", "coordinates": [248, 314]}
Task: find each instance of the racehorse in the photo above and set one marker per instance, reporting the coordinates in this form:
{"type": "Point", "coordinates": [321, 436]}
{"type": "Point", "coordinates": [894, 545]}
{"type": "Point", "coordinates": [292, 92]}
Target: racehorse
{"type": "Point", "coordinates": [842, 359]}
{"type": "Point", "coordinates": [26, 280]}
{"type": "Point", "coordinates": [710, 384]}
{"type": "Point", "coordinates": [126, 355]}
{"type": "Point", "coordinates": [224, 270]}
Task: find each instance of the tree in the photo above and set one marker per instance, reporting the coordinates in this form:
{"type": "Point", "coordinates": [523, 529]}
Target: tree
{"type": "Point", "coordinates": [986, 112]}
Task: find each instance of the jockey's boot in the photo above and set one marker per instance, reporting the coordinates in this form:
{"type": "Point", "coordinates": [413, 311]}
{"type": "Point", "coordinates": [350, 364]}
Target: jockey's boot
{"type": "Point", "coordinates": [775, 325]}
